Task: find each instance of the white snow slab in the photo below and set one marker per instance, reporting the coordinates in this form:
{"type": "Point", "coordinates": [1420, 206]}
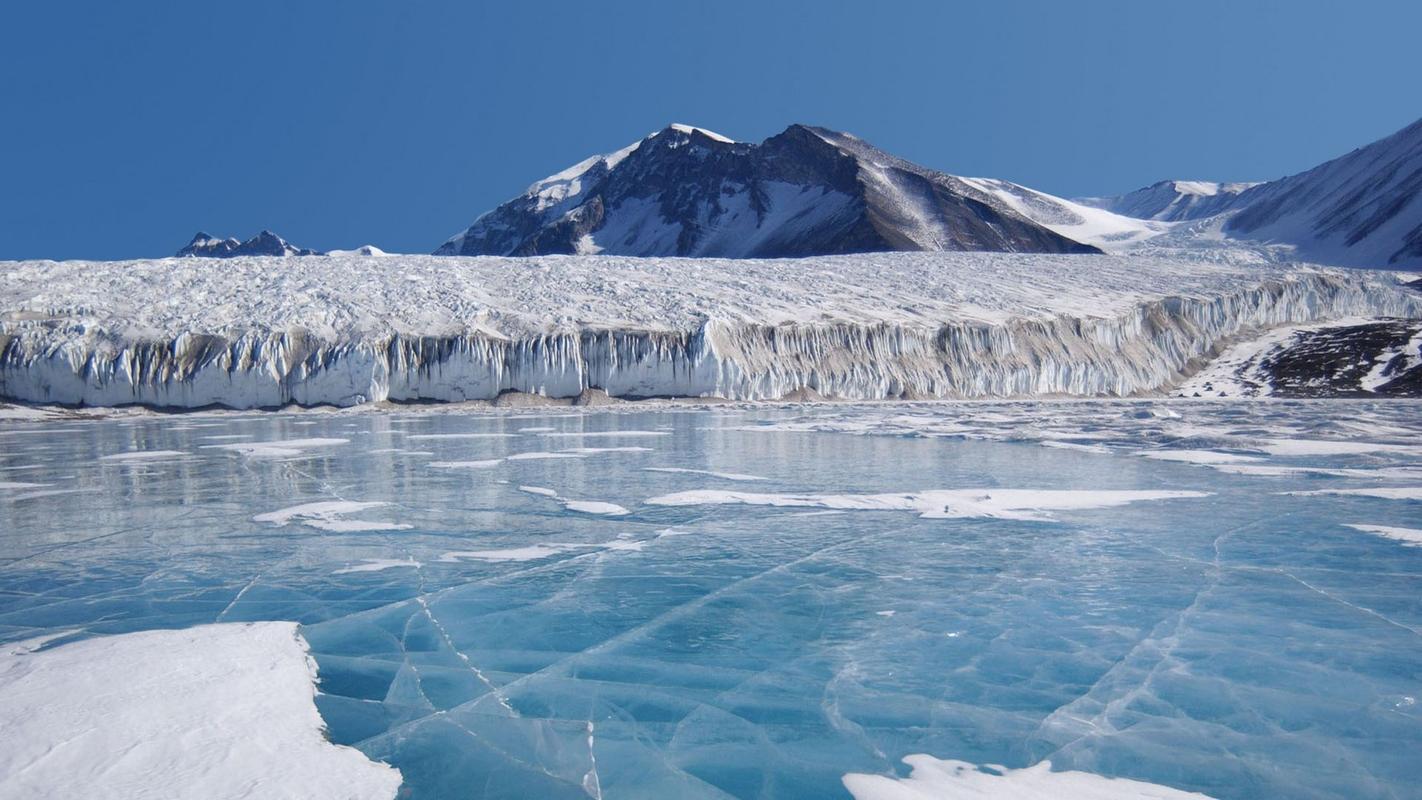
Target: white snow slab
{"type": "Point", "coordinates": [1022, 504]}
{"type": "Point", "coordinates": [947, 779]}
{"type": "Point", "coordinates": [215, 711]}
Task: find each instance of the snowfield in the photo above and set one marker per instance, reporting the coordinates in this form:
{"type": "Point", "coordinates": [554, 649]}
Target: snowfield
{"type": "Point", "coordinates": [267, 332]}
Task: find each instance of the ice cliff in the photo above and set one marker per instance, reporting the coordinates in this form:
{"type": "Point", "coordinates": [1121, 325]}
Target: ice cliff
{"type": "Point", "coordinates": [257, 332]}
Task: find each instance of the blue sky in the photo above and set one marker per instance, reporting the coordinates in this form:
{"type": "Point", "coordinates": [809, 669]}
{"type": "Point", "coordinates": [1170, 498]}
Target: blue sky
{"type": "Point", "coordinates": [125, 127]}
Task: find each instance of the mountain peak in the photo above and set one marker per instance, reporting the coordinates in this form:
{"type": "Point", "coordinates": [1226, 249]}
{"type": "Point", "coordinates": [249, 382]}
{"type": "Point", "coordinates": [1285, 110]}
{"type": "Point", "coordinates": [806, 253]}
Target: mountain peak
{"type": "Point", "coordinates": [686, 191]}
{"type": "Point", "coordinates": [692, 129]}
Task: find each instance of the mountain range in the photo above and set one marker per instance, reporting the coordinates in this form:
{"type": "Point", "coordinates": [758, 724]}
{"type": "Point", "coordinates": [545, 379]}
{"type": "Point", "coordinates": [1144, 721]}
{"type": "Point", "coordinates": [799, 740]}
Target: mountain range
{"type": "Point", "coordinates": [686, 191]}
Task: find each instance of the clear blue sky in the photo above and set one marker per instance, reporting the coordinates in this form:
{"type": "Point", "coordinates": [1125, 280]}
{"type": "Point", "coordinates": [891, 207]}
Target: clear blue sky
{"type": "Point", "coordinates": [127, 126]}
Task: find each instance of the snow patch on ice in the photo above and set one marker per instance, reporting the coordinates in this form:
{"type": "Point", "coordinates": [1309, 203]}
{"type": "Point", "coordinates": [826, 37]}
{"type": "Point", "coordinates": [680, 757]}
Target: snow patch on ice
{"type": "Point", "coordinates": [1410, 537]}
{"type": "Point", "coordinates": [144, 456]}
{"type": "Point", "coordinates": [581, 506]}
{"type": "Point", "coordinates": [276, 449]}
{"type": "Point", "coordinates": [328, 516]}
{"type": "Point", "coordinates": [1383, 492]}
{"type": "Point", "coordinates": [946, 779]}
{"type": "Point", "coordinates": [215, 711]}
{"type": "Point", "coordinates": [378, 565]}
{"type": "Point", "coordinates": [729, 476]}
{"type": "Point", "coordinates": [1203, 457]}
{"type": "Point", "coordinates": [1019, 504]}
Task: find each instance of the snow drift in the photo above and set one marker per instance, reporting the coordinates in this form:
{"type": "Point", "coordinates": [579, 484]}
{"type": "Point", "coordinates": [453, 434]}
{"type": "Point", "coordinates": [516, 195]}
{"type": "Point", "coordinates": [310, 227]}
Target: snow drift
{"type": "Point", "coordinates": [254, 332]}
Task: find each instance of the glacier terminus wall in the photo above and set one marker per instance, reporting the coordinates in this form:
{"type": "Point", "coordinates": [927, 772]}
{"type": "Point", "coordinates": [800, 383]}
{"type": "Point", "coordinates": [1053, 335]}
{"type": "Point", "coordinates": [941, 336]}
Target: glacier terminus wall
{"type": "Point", "coordinates": [269, 332]}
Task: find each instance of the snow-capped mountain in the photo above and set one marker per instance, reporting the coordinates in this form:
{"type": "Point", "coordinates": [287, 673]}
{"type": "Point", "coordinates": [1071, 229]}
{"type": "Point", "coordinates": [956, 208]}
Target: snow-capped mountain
{"type": "Point", "coordinates": [686, 191]}
{"type": "Point", "coordinates": [1173, 201]}
{"type": "Point", "coordinates": [1363, 209]}
{"type": "Point", "coordinates": [265, 243]}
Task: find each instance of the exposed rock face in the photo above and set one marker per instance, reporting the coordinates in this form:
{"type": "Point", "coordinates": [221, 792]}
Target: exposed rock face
{"type": "Point", "coordinates": [265, 243]}
{"type": "Point", "coordinates": [685, 191]}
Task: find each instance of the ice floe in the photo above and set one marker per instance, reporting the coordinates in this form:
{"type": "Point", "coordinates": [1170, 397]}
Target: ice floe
{"type": "Point", "coordinates": [215, 711]}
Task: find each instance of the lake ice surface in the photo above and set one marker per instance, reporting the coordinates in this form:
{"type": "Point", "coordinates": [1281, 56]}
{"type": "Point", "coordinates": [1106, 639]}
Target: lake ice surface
{"type": "Point", "coordinates": [1206, 596]}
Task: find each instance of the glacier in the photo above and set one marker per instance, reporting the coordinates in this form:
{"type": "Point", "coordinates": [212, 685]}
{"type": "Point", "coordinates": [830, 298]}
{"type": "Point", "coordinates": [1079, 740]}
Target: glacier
{"type": "Point", "coordinates": [349, 330]}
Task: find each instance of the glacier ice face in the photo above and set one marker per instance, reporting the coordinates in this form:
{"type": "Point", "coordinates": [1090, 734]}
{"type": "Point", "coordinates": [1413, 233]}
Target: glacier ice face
{"type": "Point", "coordinates": [1243, 644]}
{"type": "Point", "coordinates": [251, 333]}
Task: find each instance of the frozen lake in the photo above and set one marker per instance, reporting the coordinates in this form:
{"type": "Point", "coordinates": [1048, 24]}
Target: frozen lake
{"type": "Point", "coordinates": [1217, 597]}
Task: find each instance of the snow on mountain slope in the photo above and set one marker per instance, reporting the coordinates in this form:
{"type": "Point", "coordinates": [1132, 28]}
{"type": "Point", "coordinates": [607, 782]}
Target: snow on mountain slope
{"type": "Point", "coordinates": [686, 191]}
{"type": "Point", "coordinates": [261, 332]}
{"type": "Point", "coordinates": [1362, 209]}
{"type": "Point", "coordinates": [1173, 201]}
{"type": "Point", "coordinates": [1109, 231]}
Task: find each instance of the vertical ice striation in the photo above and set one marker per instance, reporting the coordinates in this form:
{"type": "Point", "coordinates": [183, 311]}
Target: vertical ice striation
{"type": "Point", "coordinates": [1081, 347]}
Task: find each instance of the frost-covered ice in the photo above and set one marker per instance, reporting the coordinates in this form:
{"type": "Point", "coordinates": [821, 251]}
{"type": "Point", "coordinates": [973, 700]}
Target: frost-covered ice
{"type": "Point", "coordinates": [215, 711]}
{"type": "Point", "coordinates": [1137, 609]}
{"type": "Point", "coordinates": [871, 326]}
{"type": "Point", "coordinates": [945, 779]}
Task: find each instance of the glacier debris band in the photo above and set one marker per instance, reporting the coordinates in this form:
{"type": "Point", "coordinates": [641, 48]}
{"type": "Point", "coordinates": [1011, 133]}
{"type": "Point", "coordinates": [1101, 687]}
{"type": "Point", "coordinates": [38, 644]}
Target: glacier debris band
{"type": "Point", "coordinates": [270, 332]}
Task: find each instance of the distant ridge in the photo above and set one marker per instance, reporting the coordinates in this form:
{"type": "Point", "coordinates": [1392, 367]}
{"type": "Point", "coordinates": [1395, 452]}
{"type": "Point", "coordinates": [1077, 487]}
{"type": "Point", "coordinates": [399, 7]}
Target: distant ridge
{"type": "Point", "coordinates": [266, 243]}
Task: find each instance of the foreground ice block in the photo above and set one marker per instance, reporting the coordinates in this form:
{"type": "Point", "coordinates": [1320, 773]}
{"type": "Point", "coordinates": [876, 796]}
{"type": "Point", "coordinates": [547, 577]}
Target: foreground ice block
{"type": "Point", "coordinates": [215, 711]}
